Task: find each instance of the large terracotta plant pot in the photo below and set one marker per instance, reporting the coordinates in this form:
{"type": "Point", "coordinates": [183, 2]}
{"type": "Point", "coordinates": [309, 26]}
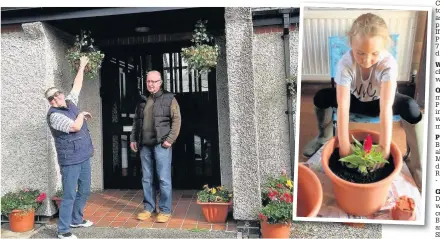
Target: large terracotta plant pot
{"type": "Point", "coordinates": [309, 192]}
{"type": "Point", "coordinates": [355, 198]}
{"type": "Point", "coordinates": [215, 212]}
{"type": "Point", "coordinates": [275, 230]}
{"type": "Point", "coordinates": [20, 221]}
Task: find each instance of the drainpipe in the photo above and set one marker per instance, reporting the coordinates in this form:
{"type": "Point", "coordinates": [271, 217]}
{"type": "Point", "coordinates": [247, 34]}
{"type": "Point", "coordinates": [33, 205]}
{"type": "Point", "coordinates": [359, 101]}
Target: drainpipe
{"type": "Point", "coordinates": [289, 111]}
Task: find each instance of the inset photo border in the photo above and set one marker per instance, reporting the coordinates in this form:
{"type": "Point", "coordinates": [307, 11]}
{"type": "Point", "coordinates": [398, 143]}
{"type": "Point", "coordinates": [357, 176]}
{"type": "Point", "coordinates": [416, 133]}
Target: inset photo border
{"type": "Point", "coordinates": [362, 114]}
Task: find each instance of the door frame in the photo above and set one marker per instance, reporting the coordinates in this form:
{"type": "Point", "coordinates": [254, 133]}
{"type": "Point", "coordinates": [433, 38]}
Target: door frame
{"type": "Point", "coordinates": [154, 49]}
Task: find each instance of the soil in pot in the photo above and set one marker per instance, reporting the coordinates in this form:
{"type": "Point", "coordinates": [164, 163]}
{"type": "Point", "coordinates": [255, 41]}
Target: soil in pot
{"type": "Point", "coordinates": [354, 176]}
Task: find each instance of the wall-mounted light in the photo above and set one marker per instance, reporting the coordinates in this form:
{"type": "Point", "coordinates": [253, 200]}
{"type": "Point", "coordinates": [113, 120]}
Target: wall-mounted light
{"type": "Point", "coordinates": [142, 29]}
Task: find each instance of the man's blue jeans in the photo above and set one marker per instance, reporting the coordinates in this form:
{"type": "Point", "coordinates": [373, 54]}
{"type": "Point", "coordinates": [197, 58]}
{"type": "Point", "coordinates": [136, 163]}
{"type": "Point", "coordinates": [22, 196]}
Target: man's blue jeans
{"type": "Point", "coordinates": [162, 158]}
{"type": "Point", "coordinates": [73, 203]}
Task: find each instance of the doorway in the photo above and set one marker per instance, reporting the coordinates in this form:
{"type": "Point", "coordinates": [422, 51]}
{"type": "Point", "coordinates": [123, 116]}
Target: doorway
{"type": "Point", "coordinates": [195, 159]}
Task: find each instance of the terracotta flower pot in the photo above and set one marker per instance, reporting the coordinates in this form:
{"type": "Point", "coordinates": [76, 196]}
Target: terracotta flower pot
{"type": "Point", "coordinates": [275, 230]}
{"type": "Point", "coordinates": [355, 198]}
{"type": "Point", "coordinates": [404, 209]}
{"type": "Point", "coordinates": [215, 212]}
{"type": "Point", "coordinates": [20, 221]}
{"type": "Point", "coordinates": [309, 192]}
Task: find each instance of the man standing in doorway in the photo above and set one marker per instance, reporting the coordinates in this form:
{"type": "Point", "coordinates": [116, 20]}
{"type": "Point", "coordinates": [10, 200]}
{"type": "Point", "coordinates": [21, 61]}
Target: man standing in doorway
{"type": "Point", "coordinates": [155, 128]}
{"type": "Point", "coordinates": [74, 149]}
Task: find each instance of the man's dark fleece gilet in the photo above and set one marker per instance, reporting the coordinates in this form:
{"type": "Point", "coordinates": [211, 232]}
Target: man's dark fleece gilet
{"type": "Point", "coordinates": [161, 116]}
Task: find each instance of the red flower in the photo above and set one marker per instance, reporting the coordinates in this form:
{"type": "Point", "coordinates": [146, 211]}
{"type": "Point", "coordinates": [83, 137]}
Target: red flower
{"type": "Point", "coordinates": [262, 217]}
{"type": "Point", "coordinates": [279, 185]}
{"type": "Point", "coordinates": [272, 195]}
{"type": "Point", "coordinates": [41, 197]}
{"type": "Point", "coordinates": [288, 197]}
{"type": "Point", "coordinates": [368, 143]}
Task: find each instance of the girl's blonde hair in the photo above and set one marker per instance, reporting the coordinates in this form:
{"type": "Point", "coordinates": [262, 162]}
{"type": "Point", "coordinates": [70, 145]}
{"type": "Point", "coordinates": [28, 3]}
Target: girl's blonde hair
{"type": "Point", "coordinates": [369, 24]}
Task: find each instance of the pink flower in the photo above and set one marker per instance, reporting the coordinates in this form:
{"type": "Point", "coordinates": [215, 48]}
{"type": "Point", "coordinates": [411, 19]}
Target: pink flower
{"type": "Point", "coordinates": [368, 143]}
{"type": "Point", "coordinates": [262, 217]}
{"type": "Point", "coordinates": [41, 197]}
{"type": "Point", "coordinates": [283, 172]}
{"type": "Point", "coordinates": [288, 198]}
{"type": "Point", "coordinates": [272, 195]}
{"type": "Point", "coordinates": [26, 190]}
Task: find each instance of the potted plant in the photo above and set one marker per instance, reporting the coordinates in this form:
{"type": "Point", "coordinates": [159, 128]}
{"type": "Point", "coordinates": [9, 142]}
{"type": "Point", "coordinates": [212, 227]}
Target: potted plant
{"type": "Point", "coordinates": [20, 208]}
{"type": "Point", "coordinates": [58, 197]}
{"type": "Point", "coordinates": [203, 55]}
{"type": "Point", "coordinates": [83, 46]}
{"type": "Point", "coordinates": [309, 192]}
{"type": "Point", "coordinates": [276, 214]}
{"type": "Point", "coordinates": [215, 203]}
{"type": "Point", "coordinates": [275, 185]}
{"type": "Point", "coordinates": [359, 190]}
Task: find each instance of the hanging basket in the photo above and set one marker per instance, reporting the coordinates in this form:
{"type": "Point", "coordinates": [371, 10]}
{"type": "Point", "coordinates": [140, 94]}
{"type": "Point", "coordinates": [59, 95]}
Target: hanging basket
{"type": "Point", "coordinates": [203, 55]}
{"type": "Point", "coordinates": [83, 46]}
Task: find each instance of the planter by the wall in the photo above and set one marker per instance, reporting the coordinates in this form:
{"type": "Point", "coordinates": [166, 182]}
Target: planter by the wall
{"type": "Point", "coordinates": [20, 221]}
{"type": "Point", "coordinates": [404, 209]}
{"type": "Point", "coordinates": [360, 199]}
{"type": "Point", "coordinates": [275, 230]}
{"type": "Point", "coordinates": [309, 192]}
{"type": "Point", "coordinates": [215, 212]}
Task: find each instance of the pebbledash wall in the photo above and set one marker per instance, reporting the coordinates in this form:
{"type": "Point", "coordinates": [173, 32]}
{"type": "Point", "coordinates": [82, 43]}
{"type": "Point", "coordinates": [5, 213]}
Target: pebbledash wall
{"type": "Point", "coordinates": [33, 59]}
{"type": "Point", "coordinates": [254, 133]}
{"type": "Point", "coordinates": [251, 88]}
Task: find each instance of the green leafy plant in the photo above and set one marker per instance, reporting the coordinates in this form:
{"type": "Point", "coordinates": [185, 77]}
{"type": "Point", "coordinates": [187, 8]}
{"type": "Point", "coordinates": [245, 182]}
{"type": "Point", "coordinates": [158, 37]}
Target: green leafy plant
{"type": "Point", "coordinates": [24, 200]}
{"type": "Point", "coordinates": [281, 184]}
{"type": "Point", "coordinates": [83, 46]}
{"type": "Point", "coordinates": [216, 194]}
{"type": "Point", "coordinates": [277, 213]}
{"type": "Point", "coordinates": [364, 157]}
{"type": "Point", "coordinates": [277, 196]}
{"type": "Point", "coordinates": [203, 55]}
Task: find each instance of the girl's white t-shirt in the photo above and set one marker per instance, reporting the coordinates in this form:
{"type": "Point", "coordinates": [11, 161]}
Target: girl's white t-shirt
{"type": "Point", "coordinates": [348, 73]}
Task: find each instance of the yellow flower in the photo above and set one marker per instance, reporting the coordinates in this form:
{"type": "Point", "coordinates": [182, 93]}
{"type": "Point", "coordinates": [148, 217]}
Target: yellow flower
{"type": "Point", "coordinates": [214, 191]}
{"type": "Point", "coordinates": [289, 184]}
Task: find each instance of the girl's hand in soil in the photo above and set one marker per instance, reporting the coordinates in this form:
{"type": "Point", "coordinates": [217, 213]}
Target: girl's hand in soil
{"type": "Point", "coordinates": [344, 150]}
